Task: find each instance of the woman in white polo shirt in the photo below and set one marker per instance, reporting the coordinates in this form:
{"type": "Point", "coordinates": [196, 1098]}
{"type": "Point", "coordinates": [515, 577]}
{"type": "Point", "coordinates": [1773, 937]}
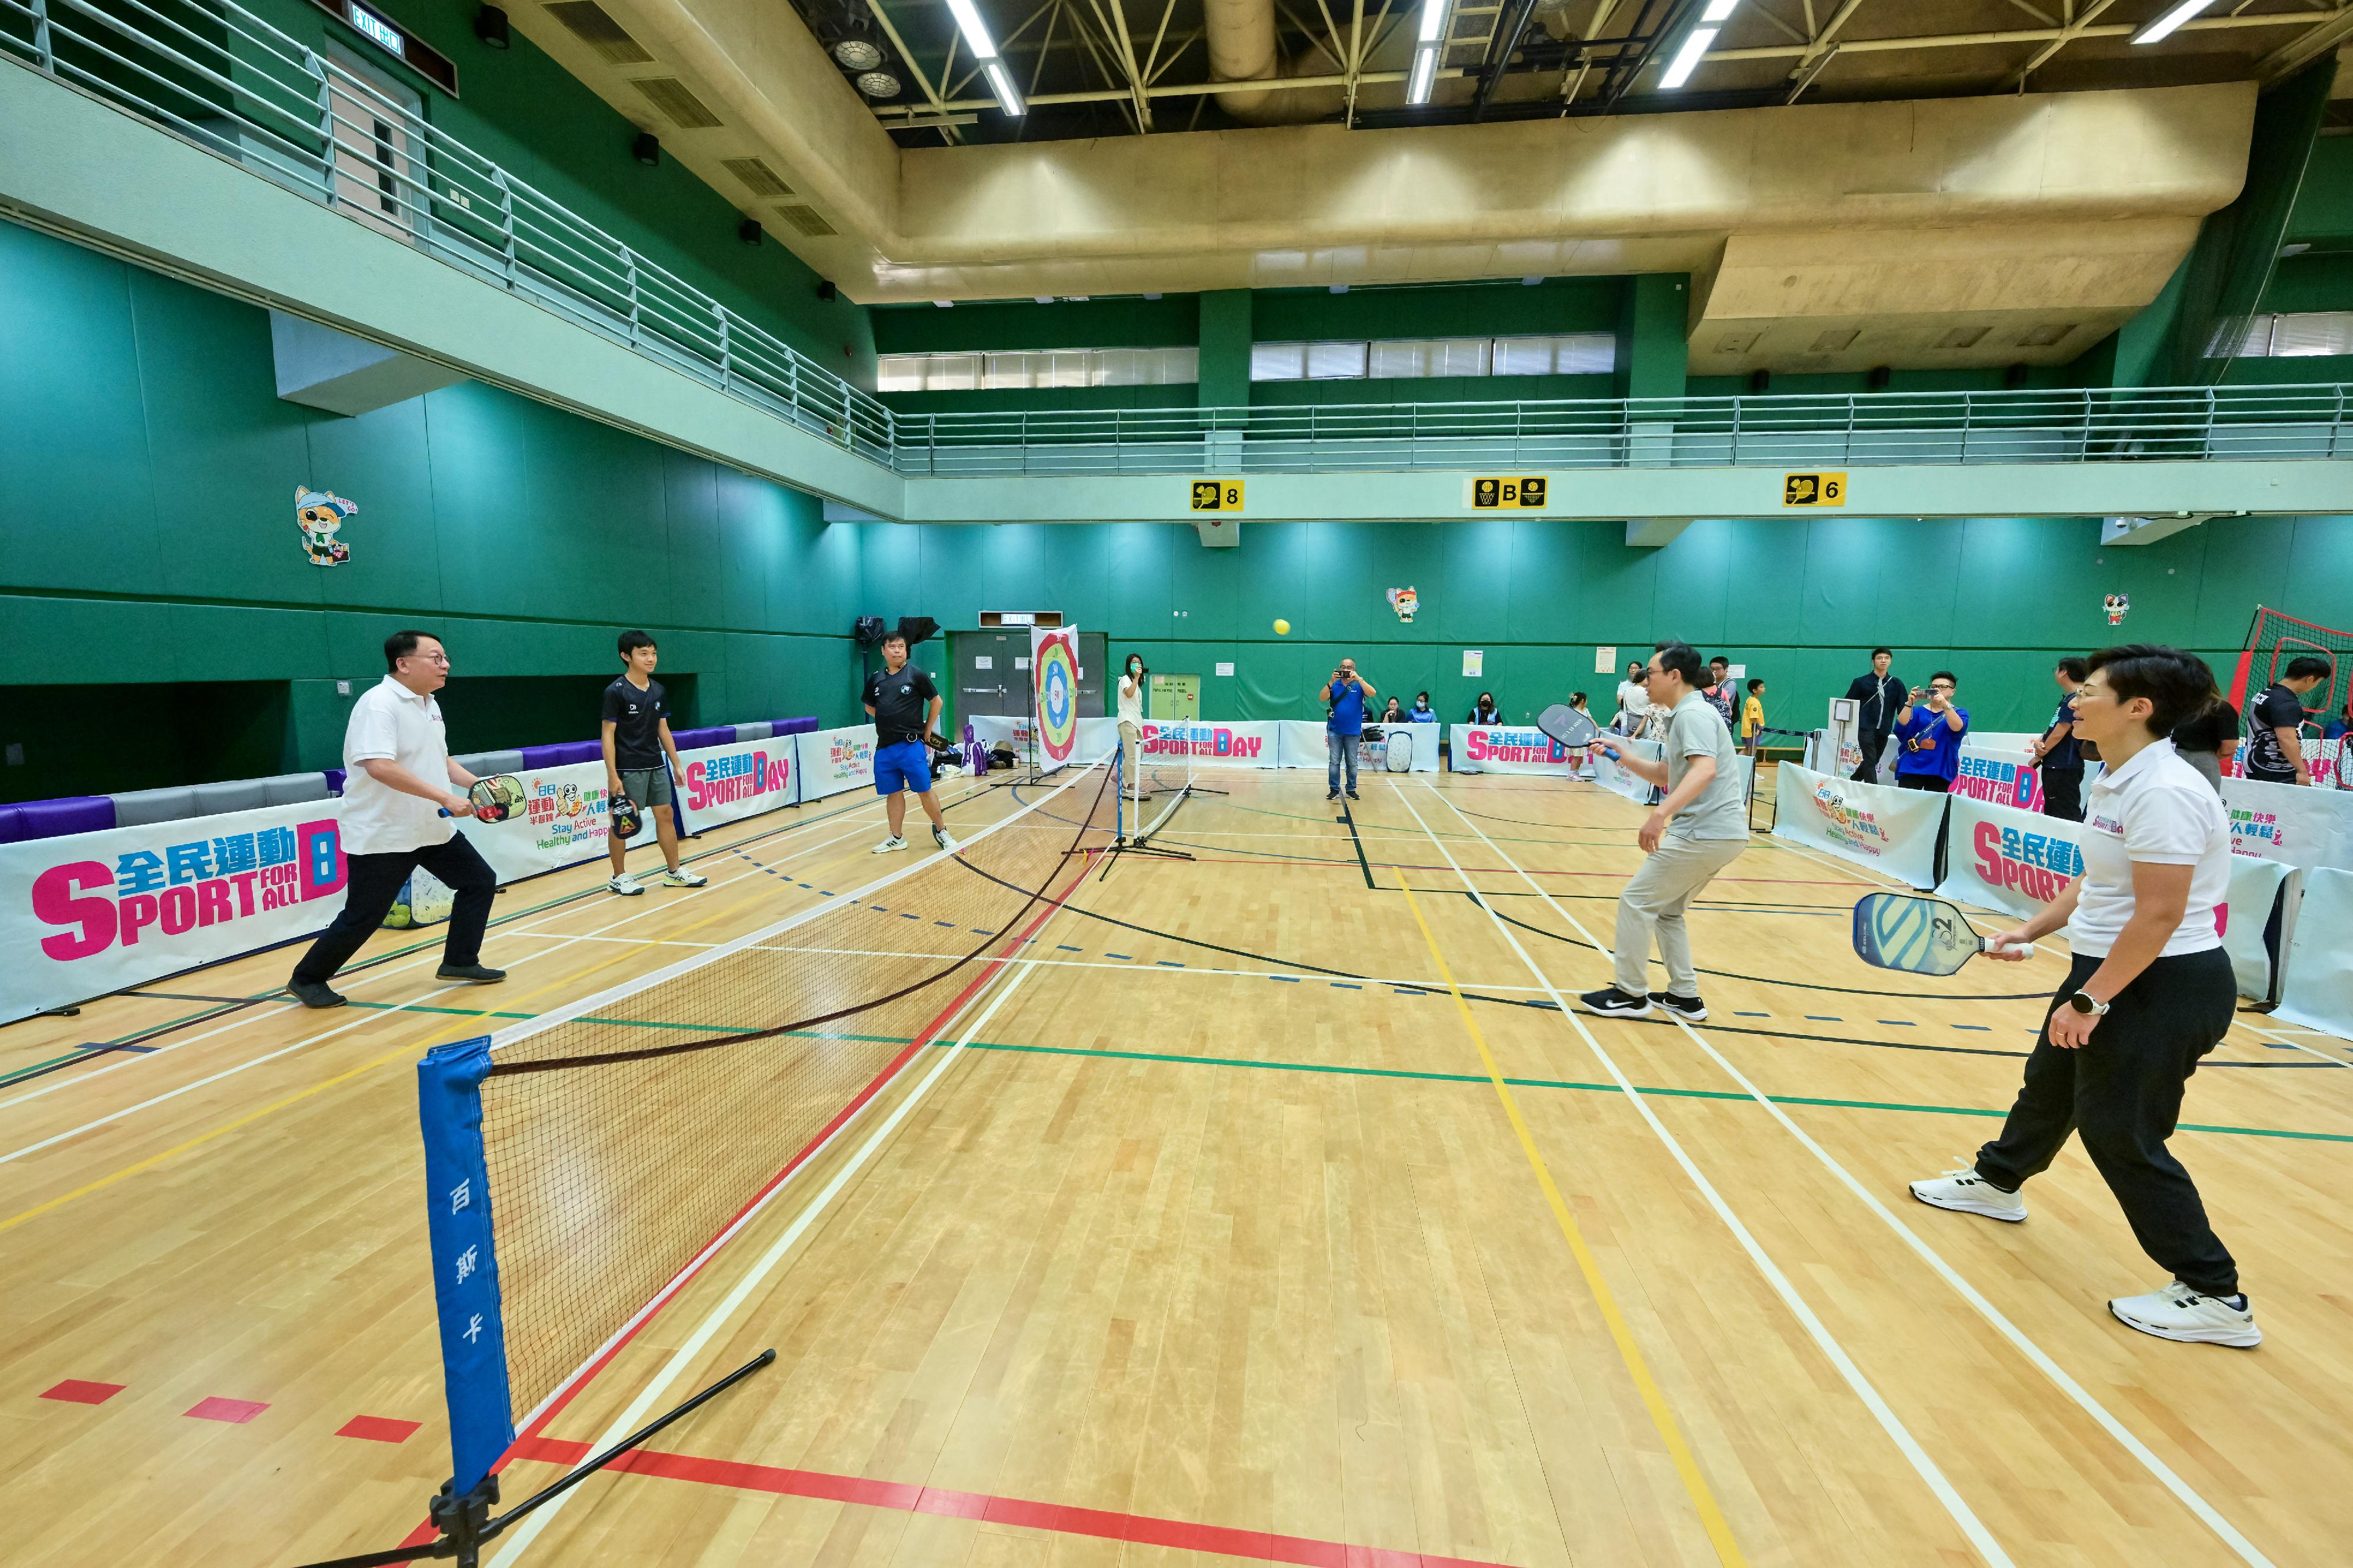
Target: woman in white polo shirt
{"type": "Point", "coordinates": [2150, 992]}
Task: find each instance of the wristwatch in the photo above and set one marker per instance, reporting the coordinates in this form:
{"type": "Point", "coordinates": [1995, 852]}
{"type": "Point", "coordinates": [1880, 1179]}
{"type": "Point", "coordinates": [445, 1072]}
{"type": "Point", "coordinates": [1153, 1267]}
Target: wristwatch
{"type": "Point", "coordinates": [2089, 1008]}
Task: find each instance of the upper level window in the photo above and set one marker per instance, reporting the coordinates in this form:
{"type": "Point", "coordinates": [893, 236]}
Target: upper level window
{"type": "Point", "coordinates": [1393, 359]}
{"type": "Point", "coordinates": [1037, 368]}
{"type": "Point", "coordinates": [2296, 334]}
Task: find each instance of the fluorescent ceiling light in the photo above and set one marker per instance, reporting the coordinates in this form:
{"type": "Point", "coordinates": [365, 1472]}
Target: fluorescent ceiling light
{"type": "Point", "coordinates": [974, 30]}
{"type": "Point", "coordinates": [1717, 10]}
{"type": "Point", "coordinates": [1424, 69]}
{"type": "Point", "coordinates": [1686, 60]}
{"type": "Point", "coordinates": [1007, 100]}
{"type": "Point", "coordinates": [2164, 25]}
{"type": "Point", "coordinates": [1433, 18]}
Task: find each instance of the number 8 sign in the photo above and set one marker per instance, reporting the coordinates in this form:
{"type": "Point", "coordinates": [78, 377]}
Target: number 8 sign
{"type": "Point", "coordinates": [1217, 495]}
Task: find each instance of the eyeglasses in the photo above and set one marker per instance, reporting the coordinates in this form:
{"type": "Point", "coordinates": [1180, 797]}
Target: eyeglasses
{"type": "Point", "coordinates": [429, 657]}
{"type": "Point", "coordinates": [1936, 685]}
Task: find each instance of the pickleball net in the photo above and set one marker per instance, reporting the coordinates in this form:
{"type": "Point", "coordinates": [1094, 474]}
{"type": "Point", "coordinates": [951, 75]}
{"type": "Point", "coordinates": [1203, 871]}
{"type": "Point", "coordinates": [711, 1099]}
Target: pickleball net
{"type": "Point", "coordinates": [582, 1164]}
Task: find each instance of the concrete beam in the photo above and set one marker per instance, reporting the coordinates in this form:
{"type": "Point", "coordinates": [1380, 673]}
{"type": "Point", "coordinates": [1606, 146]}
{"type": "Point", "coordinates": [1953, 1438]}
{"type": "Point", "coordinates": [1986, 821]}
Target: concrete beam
{"type": "Point", "coordinates": [320, 367]}
{"type": "Point", "coordinates": [2149, 530]}
{"type": "Point", "coordinates": [1647, 533]}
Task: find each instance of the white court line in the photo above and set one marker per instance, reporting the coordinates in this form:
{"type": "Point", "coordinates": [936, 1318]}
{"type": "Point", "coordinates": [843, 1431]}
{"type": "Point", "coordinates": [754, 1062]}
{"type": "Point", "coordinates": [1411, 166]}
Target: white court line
{"type": "Point", "coordinates": [361, 1022]}
{"type": "Point", "coordinates": [2033, 1352]}
{"type": "Point", "coordinates": [79, 1079]}
{"type": "Point", "coordinates": [1924, 1466]}
{"type": "Point", "coordinates": [692, 1350]}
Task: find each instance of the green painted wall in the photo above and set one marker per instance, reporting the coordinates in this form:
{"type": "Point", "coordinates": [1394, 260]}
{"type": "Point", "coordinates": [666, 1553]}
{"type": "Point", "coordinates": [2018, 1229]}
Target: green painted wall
{"type": "Point", "coordinates": [521, 108]}
{"type": "Point", "coordinates": [146, 489]}
{"type": "Point", "coordinates": [1799, 601]}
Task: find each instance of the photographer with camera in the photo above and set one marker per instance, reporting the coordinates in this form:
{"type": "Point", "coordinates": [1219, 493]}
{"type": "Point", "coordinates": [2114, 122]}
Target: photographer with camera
{"type": "Point", "coordinates": [1930, 726]}
{"type": "Point", "coordinates": [1345, 693]}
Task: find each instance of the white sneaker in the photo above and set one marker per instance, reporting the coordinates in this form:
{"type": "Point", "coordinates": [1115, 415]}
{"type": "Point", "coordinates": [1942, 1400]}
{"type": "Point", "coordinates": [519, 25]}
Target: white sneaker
{"type": "Point", "coordinates": [682, 878]}
{"type": "Point", "coordinates": [1965, 1191]}
{"type": "Point", "coordinates": [625, 886]}
{"type": "Point", "coordinates": [893, 842]}
{"type": "Point", "coordinates": [2176, 1311]}
{"type": "Point", "coordinates": [940, 836]}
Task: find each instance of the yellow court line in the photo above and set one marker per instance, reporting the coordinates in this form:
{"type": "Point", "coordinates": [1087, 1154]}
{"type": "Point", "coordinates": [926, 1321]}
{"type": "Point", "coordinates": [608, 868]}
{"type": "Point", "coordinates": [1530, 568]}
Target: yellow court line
{"type": "Point", "coordinates": [403, 1049]}
{"type": "Point", "coordinates": [1654, 1399]}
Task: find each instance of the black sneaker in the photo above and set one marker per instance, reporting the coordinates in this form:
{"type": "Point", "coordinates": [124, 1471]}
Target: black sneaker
{"type": "Point", "coordinates": [1334, 796]}
{"type": "Point", "coordinates": [1691, 1009]}
{"type": "Point", "coordinates": [1612, 1003]}
{"type": "Point", "coordinates": [316, 994]}
{"type": "Point", "coordinates": [473, 973]}
{"type": "Point", "coordinates": [1354, 795]}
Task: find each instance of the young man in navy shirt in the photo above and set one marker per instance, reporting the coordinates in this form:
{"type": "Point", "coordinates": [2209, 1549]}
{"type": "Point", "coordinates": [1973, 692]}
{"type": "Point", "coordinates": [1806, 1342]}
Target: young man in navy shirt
{"type": "Point", "coordinates": [2058, 753]}
{"type": "Point", "coordinates": [905, 707]}
{"type": "Point", "coordinates": [1930, 735]}
{"type": "Point", "coordinates": [1346, 692]}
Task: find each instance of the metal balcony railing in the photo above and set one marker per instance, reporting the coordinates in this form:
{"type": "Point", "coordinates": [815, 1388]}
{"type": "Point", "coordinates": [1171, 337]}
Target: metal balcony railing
{"type": "Point", "coordinates": [229, 80]}
{"type": "Point", "coordinates": [231, 83]}
{"type": "Point", "coordinates": [2095, 424]}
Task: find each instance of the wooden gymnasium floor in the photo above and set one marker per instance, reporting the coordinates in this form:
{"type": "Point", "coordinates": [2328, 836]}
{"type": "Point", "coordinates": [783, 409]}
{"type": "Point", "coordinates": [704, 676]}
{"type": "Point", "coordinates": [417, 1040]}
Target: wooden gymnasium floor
{"type": "Point", "coordinates": [1235, 1235]}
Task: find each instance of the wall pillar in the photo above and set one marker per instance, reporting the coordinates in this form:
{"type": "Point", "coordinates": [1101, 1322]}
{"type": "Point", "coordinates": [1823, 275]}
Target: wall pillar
{"type": "Point", "coordinates": [1653, 356]}
{"type": "Point", "coordinates": [1225, 348]}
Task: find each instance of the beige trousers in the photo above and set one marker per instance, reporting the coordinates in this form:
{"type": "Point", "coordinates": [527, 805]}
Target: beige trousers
{"type": "Point", "coordinates": [1651, 910]}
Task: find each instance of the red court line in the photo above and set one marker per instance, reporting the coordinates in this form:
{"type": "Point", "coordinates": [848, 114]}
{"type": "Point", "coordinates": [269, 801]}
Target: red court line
{"type": "Point", "coordinates": [378, 1429]}
{"type": "Point", "coordinates": [1145, 1530]}
{"type": "Point", "coordinates": [236, 1412]}
{"type": "Point", "coordinates": [74, 1391]}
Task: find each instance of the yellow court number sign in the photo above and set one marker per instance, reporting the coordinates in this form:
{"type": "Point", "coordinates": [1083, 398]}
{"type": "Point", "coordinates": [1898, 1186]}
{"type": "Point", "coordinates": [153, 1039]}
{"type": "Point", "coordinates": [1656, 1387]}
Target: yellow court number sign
{"type": "Point", "coordinates": [1505, 494]}
{"type": "Point", "coordinates": [1813, 489]}
{"type": "Point", "coordinates": [1217, 495]}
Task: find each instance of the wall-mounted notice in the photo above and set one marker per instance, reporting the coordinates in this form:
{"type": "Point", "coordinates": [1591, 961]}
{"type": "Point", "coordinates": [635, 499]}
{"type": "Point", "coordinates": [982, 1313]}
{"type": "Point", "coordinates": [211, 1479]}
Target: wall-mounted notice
{"type": "Point", "coordinates": [1474, 663]}
{"type": "Point", "coordinates": [1605, 661]}
{"type": "Point", "coordinates": [1224, 667]}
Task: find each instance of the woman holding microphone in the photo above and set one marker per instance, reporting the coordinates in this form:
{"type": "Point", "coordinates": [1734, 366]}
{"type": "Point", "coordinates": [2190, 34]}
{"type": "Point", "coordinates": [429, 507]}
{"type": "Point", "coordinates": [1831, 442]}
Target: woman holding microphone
{"type": "Point", "coordinates": [2150, 992]}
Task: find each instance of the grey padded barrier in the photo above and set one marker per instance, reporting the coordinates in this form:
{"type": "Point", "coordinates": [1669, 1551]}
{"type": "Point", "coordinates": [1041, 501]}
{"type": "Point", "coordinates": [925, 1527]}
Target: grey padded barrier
{"type": "Point", "coordinates": [483, 765]}
{"type": "Point", "coordinates": [229, 794]}
{"type": "Point", "coordinates": [142, 807]}
{"type": "Point", "coordinates": [761, 731]}
{"type": "Point", "coordinates": [292, 789]}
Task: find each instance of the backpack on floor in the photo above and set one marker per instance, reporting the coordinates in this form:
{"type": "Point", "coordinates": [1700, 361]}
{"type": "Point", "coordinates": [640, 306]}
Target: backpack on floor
{"type": "Point", "coordinates": [1400, 750]}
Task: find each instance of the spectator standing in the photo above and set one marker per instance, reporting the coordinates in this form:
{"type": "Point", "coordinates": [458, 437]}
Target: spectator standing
{"type": "Point", "coordinates": [2207, 738]}
{"type": "Point", "coordinates": [1719, 691]}
{"type": "Point", "coordinates": [397, 785]}
{"type": "Point", "coordinates": [2058, 753]}
{"type": "Point", "coordinates": [1930, 735]}
{"type": "Point", "coordinates": [1344, 723]}
{"type": "Point", "coordinates": [1752, 717]}
{"type": "Point", "coordinates": [1877, 697]}
{"type": "Point", "coordinates": [636, 736]}
{"type": "Point", "coordinates": [1633, 698]}
{"type": "Point", "coordinates": [2149, 994]}
{"type": "Point", "coordinates": [2275, 746]}
{"type": "Point", "coordinates": [1692, 834]}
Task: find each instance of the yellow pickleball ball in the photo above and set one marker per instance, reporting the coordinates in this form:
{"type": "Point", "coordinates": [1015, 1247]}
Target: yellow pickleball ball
{"type": "Point", "coordinates": [1282, 629]}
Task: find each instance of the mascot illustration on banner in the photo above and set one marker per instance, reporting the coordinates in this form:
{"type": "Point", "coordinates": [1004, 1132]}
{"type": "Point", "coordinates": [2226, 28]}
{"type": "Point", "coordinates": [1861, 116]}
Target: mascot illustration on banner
{"type": "Point", "coordinates": [318, 514]}
{"type": "Point", "coordinates": [1404, 601]}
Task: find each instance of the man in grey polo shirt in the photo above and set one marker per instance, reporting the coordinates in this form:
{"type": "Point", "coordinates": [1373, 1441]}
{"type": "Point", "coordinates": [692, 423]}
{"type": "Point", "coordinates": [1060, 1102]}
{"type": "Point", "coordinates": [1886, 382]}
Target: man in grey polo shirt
{"type": "Point", "coordinates": [1692, 834]}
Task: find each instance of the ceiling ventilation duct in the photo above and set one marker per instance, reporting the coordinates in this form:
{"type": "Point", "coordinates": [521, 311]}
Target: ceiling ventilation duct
{"type": "Point", "coordinates": [1243, 48]}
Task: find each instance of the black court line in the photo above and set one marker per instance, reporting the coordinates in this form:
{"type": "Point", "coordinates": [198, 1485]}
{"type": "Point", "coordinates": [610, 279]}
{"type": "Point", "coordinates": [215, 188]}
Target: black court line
{"type": "Point", "coordinates": [1362, 864]}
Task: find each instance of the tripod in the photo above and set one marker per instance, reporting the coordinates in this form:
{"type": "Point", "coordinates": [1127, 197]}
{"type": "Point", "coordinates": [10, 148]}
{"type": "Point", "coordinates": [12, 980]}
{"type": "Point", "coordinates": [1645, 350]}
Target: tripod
{"type": "Point", "coordinates": [465, 1522]}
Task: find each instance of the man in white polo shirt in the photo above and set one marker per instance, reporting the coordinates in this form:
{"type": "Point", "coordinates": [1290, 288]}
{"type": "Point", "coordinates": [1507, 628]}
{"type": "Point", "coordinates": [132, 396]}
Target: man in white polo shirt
{"type": "Point", "coordinates": [396, 759]}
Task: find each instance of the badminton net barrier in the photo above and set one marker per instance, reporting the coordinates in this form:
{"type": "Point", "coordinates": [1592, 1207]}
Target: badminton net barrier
{"type": "Point", "coordinates": [2273, 640]}
{"type": "Point", "coordinates": [1159, 764]}
{"type": "Point", "coordinates": [580, 1164]}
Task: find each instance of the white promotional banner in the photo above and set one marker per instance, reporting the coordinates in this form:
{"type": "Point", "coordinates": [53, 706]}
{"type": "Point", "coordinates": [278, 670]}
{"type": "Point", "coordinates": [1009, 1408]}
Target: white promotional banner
{"type": "Point", "coordinates": [2001, 858]}
{"type": "Point", "coordinates": [1302, 746]}
{"type": "Point", "coordinates": [2319, 990]}
{"type": "Point", "coordinates": [562, 821]}
{"type": "Point", "coordinates": [832, 761]}
{"type": "Point", "coordinates": [2291, 823]}
{"type": "Point", "coordinates": [1611, 777]}
{"type": "Point", "coordinates": [1510, 749]}
{"type": "Point", "coordinates": [2246, 909]}
{"type": "Point", "coordinates": [1097, 736]}
{"type": "Point", "coordinates": [727, 783]}
{"type": "Point", "coordinates": [1887, 829]}
{"type": "Point", "coordinates": [93, 912]}
{"type": "Point", "coordinates": [1211, 742]}
{"type": "Point", "coordinates": [1999, 775]}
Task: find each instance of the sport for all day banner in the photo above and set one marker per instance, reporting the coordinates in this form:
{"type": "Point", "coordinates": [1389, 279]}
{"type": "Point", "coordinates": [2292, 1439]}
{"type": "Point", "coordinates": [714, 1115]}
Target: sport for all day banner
{"type": "Point", "coordinates": [1054, 678]}
{"type": "Point", "coordinates": [1612, 777]}
{"type": "Point", "coordinates": [2293, 824]}
{"type": "Point", "coordinates": [2320, 989]}
{"type": "Point", "coordinates": [1212, 743]}
{"type": "Point", "coordinates": [1999, 776]}
{"type": "Point", "coordinates": [1303, 746]}
{"type": "Point", "coordinates": [1510, 749]}
{"type": "Point", "coordinates": [832, 761]}
{"type": "Point", "coordinates": [84, 915]}
{"type": "Point", "coordinates": [1888, 829]}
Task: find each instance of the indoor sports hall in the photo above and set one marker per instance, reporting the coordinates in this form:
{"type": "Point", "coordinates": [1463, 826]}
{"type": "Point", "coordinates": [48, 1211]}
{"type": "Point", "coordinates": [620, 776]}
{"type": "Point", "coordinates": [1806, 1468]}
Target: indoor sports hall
{"type": "Point", "coordinates": [1560, 783]}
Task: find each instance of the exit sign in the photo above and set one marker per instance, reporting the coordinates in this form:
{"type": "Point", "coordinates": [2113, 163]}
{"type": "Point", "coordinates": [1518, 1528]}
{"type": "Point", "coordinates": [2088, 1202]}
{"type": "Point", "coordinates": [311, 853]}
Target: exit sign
{"type": "Point", "coordinates": [395, 40]}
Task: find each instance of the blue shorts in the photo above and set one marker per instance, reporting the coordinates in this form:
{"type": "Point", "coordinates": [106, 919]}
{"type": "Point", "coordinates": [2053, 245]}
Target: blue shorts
{"type": "Point", "coordinates": [907, 765]}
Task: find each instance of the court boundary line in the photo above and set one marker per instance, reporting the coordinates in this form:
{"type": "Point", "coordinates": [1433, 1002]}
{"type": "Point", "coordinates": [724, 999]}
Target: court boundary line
{"type": "Point", "coordinates": [1972, 1529]}
{"type": "Point", "coordinates": [2036, 1355]}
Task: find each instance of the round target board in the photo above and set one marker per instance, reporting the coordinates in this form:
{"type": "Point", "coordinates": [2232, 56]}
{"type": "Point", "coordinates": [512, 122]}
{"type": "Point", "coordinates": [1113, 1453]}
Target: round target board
{"type": "Point", "coordinates": [1058, 699]}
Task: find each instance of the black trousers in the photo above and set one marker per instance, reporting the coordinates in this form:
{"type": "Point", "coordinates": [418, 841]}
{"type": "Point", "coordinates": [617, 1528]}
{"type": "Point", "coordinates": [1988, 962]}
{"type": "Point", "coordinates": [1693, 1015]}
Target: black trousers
{"type": "Point", "coordinates": [2062, 793]}
{"type": "Point", "coordinates": [1871, 744]}
{"type": "Point", "coordinates": [376, 881]}
{"type": "Point", "coordinates": [2123, 1092]}
{"type": "Point", "coordinates": [1934, 783]}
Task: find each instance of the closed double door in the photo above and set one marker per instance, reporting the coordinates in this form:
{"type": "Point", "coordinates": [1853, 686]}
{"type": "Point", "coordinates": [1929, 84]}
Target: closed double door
{"type": "Point", "coordinates": [992, 673]}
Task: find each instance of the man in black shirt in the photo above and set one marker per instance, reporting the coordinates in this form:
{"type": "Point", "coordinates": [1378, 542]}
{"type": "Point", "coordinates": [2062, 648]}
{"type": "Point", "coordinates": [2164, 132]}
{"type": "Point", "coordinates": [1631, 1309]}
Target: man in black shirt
{"type": "Point", "coordinates": [905, 707]}
{"type": "Point", "coordinates": [2060, 754]}
{"type": "Point", "coordinates": [1877, 696]}
{"type": "Point", "coordinates": [2274, 749]}
{"type": "Point", "coordinates": [637, 734]}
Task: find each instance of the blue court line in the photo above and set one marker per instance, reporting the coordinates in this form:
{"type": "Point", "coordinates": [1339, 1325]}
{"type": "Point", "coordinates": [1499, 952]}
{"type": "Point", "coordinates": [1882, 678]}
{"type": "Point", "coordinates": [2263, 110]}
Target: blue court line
{"type": "Point", "coordinates": [1128, 956]}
